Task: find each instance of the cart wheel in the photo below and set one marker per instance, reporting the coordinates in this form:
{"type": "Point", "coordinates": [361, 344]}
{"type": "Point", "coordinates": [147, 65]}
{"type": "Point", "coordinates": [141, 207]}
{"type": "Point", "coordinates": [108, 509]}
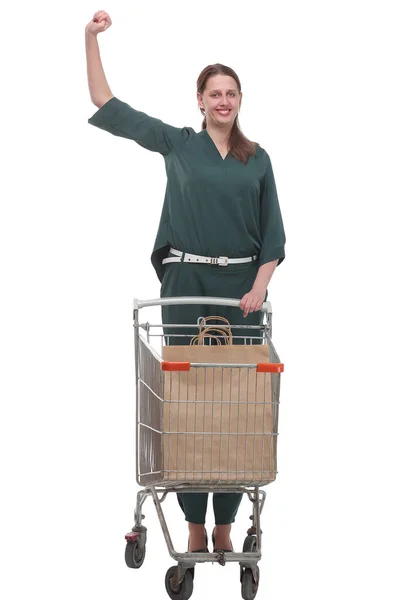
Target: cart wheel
{"type": "Point", "coordinates": [249, 587]}
{"type": "Point", "coordinates": [134, 555]}
{"type": "Point", "coordinates": [184, 589]}
{"type": "Point", "coordinates": [249, 544]}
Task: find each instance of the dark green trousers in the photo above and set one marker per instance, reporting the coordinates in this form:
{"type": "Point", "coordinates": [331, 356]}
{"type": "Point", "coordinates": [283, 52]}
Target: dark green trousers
{"type": "Point", "coordinates": [233, 281]}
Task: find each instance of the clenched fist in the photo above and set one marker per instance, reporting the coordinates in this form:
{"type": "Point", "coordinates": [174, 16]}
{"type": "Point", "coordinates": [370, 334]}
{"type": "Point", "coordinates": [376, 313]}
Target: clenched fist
{"type": "Point", "coordinates": [100, 22]}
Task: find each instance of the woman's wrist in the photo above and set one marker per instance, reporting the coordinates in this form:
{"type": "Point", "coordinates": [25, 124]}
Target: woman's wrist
{"type": "Point", "coordinates": [89, 34]}
{"type": "Point", "coordinates": [264, 275]}
{"type": "Point", "coordinates": [260, 287]}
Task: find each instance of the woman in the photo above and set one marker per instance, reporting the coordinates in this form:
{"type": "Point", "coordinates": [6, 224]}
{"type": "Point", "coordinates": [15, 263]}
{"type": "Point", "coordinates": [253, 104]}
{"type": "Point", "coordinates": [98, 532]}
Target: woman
{"type": "Point", "coordinates": [220, 232]}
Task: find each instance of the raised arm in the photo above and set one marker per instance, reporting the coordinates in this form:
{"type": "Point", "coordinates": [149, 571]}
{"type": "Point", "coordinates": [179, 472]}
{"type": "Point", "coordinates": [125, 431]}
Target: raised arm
{"type": "Point", "coordinates": [118, 117]}
{"type": "Point", "coordinates": [99, 89]}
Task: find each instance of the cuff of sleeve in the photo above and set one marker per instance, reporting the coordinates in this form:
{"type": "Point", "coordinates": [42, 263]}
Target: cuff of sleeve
{"type": "Point", "coordinates": [107, 113]}
{"type": "Point", "coordinates": [275, 254]}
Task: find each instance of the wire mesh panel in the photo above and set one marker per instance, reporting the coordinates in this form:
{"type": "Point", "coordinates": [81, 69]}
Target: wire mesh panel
{"type": "Point", "coordinates": [150, 407]}
{"type": "Point", "coordinates": [215, 423]}
{"type": "Point", "coordinates": [219, 423]}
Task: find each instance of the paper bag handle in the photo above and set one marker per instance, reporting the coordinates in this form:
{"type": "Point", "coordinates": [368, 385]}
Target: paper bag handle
{"type": "Point", "coordinates": [225, 330]}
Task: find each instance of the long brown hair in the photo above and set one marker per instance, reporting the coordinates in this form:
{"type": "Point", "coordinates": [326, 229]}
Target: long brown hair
{"type": "Point", "coordinates": [239, 146]}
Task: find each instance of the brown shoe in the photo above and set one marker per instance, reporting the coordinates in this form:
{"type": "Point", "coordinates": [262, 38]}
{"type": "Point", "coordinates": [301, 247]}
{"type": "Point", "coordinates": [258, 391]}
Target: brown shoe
{"type": "Point", "coordinates": [220, 549]}
{"type": "Point", "coordinates": [205, 549]}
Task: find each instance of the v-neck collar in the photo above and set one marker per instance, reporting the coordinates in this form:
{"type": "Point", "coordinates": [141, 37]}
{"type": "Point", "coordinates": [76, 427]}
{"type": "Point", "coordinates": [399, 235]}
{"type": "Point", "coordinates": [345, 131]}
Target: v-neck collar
{"type": "Point", "coordinates": [207, 136]}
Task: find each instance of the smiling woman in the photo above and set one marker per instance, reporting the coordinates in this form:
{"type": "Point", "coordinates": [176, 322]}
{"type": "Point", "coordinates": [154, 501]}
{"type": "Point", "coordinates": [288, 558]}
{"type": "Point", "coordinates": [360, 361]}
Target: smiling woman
{"type": "Point", "coordinates": [220, 201]}
{"type": "Point", "coordinates": [219, 95]}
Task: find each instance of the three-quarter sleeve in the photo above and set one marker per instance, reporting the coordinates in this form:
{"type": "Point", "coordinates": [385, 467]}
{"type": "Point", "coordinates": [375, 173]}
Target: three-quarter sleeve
{"type": "Point", "coordinates": [120, 119]}
{"type": "Point", "coordinates": [271, 224]}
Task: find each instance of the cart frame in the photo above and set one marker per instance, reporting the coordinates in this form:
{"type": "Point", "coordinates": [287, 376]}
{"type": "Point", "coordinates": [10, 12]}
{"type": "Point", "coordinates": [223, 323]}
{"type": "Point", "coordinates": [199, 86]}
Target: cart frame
{"type": "Point", "coordinates": [179, 579]}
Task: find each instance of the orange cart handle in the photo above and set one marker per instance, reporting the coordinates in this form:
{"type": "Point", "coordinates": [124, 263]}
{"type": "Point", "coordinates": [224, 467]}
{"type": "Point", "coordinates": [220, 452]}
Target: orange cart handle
{"type": "Point", "coordinates": [270, 368]}
{"type": "Point", "coordinates": [175, 366]}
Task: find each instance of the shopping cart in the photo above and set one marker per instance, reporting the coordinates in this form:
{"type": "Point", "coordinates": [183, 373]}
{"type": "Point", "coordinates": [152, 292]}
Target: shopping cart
{"type": "Point", "coordinates": [162, 388]}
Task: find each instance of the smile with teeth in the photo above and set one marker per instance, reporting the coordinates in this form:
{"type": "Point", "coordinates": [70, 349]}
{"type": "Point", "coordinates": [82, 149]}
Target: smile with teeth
{"type": "Point", "coordinates": [223, 111]}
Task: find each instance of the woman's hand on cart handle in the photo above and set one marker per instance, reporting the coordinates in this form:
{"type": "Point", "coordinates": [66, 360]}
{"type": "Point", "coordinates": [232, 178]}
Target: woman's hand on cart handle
{"type": "Point", "coordinates": [253, 300]}
{"type": "Point", "coordinates": [100, 22]}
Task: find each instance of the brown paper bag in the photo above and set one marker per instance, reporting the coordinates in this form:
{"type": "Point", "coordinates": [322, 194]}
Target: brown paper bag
{"type": "Point", "coordinates": [219, 423]}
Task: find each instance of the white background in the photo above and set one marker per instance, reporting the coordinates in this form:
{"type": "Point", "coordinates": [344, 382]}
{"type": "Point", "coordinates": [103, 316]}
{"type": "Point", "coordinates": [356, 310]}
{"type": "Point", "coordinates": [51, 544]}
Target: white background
{"type": "Point", "coordinates": [79, 212]}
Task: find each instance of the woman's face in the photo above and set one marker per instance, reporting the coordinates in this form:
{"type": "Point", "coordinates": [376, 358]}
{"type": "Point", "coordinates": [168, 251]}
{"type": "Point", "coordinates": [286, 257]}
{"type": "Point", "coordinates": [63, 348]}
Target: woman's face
{"type": "Point", "coordinates": [220, 100]}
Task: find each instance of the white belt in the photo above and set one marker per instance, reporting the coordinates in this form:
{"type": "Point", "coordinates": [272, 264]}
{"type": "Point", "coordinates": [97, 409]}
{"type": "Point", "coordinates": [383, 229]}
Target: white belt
{"type": "Point", "coordinates": [222, 261]}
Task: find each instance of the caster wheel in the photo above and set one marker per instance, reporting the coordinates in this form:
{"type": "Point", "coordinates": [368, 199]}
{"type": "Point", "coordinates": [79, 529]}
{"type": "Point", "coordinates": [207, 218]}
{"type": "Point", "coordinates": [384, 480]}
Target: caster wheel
{"type": "Point", "coordinates": [183, 590]}
{"type": "Point", "coordinates": [249, 544]}
{"type": "Point", "coordinates": [134, 555]}
{"type": "Point", "coordinates": [249, 587]}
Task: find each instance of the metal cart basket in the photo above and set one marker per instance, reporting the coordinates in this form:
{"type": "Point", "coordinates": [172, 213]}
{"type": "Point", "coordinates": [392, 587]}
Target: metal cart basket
{"type": "Point", "coordinates": [204, 426]}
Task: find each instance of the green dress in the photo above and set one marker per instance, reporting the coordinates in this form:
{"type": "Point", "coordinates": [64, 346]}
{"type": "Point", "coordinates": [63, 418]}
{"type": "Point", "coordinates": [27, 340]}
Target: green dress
{"type": "Point", "coordinates": [212, 207]}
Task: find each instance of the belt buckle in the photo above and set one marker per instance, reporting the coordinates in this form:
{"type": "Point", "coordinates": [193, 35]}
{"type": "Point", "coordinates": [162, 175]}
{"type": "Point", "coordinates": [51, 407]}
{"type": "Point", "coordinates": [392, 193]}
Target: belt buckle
{"type": "Point", "coordinates": [222, 261]}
